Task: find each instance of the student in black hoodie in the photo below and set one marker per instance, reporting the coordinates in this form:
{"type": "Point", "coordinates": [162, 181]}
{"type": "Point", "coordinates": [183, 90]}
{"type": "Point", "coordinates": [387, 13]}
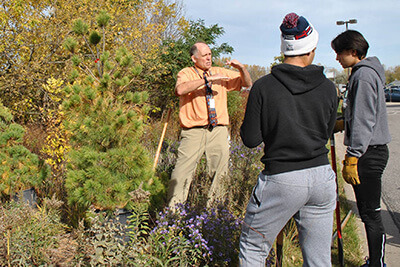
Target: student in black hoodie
{"type": "Point", "coordinates": [292, 111]}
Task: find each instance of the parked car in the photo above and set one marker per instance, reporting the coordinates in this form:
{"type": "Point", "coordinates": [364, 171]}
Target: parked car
{"type": "Point", "coordinates": [392, 94]}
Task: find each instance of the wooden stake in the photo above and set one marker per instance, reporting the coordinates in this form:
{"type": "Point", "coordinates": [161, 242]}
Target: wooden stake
{"type": "Point", "coordinates": [161, 141]}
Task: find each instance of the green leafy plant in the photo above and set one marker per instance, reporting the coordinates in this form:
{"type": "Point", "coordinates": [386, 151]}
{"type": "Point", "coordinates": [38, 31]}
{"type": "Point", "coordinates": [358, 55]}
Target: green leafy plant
{"type": "Point", "coordinates": [30, 237]}
{"type": "Point", "coordinates": [105, 242]}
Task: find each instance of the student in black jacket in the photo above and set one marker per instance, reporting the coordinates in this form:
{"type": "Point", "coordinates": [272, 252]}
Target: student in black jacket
{"type": "Point", "coordinates": [292, 111]}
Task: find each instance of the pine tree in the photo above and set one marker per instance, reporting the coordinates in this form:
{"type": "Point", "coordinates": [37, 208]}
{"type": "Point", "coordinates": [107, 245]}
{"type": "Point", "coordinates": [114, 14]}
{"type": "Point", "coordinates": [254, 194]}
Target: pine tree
{"type": "Point", "coordinates": [19, 168]}
{"type": "Point", "coordinates": [105, 119]}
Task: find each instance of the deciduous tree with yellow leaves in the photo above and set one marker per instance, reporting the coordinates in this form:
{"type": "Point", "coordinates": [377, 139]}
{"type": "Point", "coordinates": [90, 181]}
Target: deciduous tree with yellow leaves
{"type": "Point", "coordinates": [33, 33]}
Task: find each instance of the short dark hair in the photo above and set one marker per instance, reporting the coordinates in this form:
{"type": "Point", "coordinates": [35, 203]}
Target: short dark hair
{"type": "Point", "coordinates": [351, 40]}
{"type": "Point", "coordinates": [193, 49]}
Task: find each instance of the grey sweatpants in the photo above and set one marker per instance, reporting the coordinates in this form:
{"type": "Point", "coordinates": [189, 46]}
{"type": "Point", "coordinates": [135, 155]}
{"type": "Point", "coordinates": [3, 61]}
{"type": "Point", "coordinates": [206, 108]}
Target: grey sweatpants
{"type": "Point", "coordinates": [309, 196]}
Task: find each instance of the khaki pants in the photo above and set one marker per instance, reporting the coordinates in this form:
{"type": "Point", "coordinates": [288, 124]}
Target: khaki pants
{"type": "Point", "coordinates": [194, 143]}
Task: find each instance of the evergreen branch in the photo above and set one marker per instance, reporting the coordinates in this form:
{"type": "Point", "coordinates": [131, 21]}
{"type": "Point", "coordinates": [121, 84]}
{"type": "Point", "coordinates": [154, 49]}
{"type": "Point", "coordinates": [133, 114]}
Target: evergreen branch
{"type": "Point", "coordinates": [89, 72]}
{"type": "Point", "coordinates": [88, 45]}
{"type": "Point", "coordinates": [99, 69]}
{"type": "Point", "coordinates": [127, 84]}
{"type": "Point", "coordinates": [104, 46]}
{"type": "Point", "coordinates": [104, 39]}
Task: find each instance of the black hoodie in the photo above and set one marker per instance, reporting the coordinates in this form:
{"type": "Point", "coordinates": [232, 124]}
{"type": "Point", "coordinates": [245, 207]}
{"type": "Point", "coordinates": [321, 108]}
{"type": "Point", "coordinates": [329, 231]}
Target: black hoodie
{"type": "Point", "coordinates": [293, 111]}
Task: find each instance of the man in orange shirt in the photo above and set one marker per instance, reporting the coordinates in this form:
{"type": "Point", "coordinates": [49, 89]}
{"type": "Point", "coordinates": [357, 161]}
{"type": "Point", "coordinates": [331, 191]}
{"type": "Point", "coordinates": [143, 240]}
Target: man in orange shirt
{"type": "Point", "coordinates": [203, 116]}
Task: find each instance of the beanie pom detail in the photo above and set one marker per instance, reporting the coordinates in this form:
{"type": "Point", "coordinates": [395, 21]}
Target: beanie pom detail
{"type": "Point", "coordinates": [290, 20]}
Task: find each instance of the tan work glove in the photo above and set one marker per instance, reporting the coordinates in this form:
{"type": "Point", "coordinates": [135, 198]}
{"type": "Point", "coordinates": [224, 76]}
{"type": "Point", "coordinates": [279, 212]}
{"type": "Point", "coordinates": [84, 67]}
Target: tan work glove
{"type": "Point", "coordinates": [349, 172]}
{"type": "Point", "coordinates": [339, 126]}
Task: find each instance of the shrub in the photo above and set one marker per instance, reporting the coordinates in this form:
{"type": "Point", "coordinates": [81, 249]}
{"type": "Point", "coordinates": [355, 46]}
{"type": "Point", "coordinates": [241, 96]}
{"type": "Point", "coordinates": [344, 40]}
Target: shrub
{"type": "Point", "coordinates": [19, 168]}
{"type": "Point", "coordinates": [31, 237]}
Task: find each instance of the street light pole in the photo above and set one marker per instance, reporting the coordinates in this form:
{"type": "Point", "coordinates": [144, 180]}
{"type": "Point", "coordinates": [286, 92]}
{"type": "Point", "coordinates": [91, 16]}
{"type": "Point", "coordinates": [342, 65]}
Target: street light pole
{"type": "Point", "coordinates": [347, 22]}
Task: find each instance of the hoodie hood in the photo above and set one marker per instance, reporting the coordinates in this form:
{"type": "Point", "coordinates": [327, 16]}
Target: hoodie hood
{"type": "Point", "coordinates": [373, 63]}
{"type": "Point", "coordinates": [299, 80]}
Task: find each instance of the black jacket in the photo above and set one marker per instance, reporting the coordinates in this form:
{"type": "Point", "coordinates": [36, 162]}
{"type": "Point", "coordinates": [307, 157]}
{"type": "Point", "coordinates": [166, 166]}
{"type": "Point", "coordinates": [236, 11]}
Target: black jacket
{"type": "Point", "coordinates": [293, 111]}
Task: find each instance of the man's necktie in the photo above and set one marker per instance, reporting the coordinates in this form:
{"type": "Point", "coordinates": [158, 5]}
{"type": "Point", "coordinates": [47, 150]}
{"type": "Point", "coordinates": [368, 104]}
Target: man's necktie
{"type": "Point", "coordinates": [212, 115]}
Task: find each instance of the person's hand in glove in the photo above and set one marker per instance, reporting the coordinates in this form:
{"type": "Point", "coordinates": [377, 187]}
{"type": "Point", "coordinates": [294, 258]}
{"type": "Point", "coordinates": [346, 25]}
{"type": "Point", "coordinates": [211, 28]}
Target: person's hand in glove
{"type": "Point", "coordinates": [349, 172]}
{"type": "Point", "coordinates": [339, 125]}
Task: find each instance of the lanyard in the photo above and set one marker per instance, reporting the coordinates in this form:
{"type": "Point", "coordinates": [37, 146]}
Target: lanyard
{"type": "Point", "coordinates": [208, 84]}
{"type": "Point", "coordinates": [201, 77]}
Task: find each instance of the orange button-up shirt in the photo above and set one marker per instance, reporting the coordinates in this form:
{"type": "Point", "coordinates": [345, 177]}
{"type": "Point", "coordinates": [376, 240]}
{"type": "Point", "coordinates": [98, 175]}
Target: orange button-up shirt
{"type": "Point", "coordinates": [193, 106]}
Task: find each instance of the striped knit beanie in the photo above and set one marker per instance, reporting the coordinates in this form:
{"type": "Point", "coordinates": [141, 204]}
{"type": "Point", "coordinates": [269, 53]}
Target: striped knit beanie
{"type": "Point", "coordinates": [298, 36]}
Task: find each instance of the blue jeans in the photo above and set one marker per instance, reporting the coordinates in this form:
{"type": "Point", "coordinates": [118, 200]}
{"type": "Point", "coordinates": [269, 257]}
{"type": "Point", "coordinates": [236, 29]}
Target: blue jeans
{"type": "Point", "coordinates": [309, 196]}
{"type": "Point", "coordinates": [368, 196]}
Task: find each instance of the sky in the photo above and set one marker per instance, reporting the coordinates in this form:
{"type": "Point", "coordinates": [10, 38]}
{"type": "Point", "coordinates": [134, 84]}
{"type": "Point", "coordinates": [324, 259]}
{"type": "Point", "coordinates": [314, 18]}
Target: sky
{"type": "Point", "coordinates": [252, 26]}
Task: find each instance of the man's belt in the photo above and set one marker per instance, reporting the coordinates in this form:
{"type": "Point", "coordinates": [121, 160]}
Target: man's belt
{"type": "Point", "coordinates": [208, 127]}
